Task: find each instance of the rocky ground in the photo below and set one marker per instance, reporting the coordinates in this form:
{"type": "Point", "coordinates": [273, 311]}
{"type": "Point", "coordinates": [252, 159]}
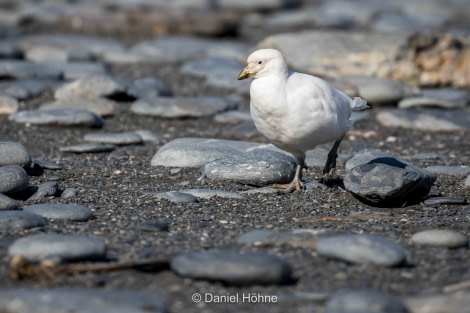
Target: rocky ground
{"type": "Point", "coordinates": [105, 204]}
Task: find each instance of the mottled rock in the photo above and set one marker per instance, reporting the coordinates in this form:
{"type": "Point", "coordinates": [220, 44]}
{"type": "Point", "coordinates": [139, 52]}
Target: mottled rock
{"type": "Point", "coordinates": [99, 106]}
{"type": "Point", "coordinates": [7, 203]}
{"type": "Point", "coordinates": [119, 139]}
{"type": "Point", "coordinates": [450, 170]}
{"type": "Point", "coordinates": [12, 221]}
{"type": "Point", "coordinates": [58, 117]}
{"type": "Point", "coordinates": [13, 178]}
{"type": "Point", "coordinates": [13, 153]}
{"type": "Point", "coordinates": [366, 301]}
{"type": "Point", "coordinates": [440, 237]}
{"type": "Point", "coordinates": [60, 211]}
{"type": "Point", "coordinates": [58, 246]}
{"type": "Point", "coordinates": [8, 105]}
{"type": "Point", "coordinates": [23, 69]}
{"type": "Point", "coordinates": [93, 87]}
{"type": "Point", "coordinates": [44, 190]}
{"type": "Point", "coordinates": [240, 269]}
{"type": "Point", "coordinates": [91, 147]}
{"type": "Point", "coordinates": [176, 196]}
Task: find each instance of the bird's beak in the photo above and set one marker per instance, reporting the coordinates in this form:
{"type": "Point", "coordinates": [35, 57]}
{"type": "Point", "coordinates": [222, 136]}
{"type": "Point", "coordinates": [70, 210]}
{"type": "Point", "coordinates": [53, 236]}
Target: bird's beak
{"type": "Point", "coordinates": [246, 73]}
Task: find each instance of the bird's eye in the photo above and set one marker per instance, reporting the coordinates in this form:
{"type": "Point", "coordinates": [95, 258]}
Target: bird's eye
{"type": "Point", "coordinates": [259, 62]}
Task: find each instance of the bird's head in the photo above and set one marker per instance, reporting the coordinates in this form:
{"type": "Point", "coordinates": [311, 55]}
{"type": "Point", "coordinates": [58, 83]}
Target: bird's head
{"type": "Point", "coordinates": [264, 62]}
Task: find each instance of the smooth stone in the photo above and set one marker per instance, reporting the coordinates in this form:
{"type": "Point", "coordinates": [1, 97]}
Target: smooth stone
{"type": "Point", "coordinates": [364, 301]}
{"type": "Point", "coordinates": [44, 190]}
{"type": "Point", "coordinates": [69, 193]}
{"type": "Point", "coordinates": [425, 156]}
{"type": "Point", "coordinates": [210, 193]}
{"type": "Point", "coordinates": [422, 102]}
{"type": "Point", "coordinates": [90, 147]}
{"type": "Point", "coordinates": [13, 153]}
{"type": "Point", "coordinates": [50, 165]}
{"type": "Point", "coordinates": [99, 106]}
{"type": "Point", "coordinates": [10, 50]}
{"type": "Point", "coordinates": [239, 269]}
{"type": "Point", "coordinates": [19, 69]}
{"type": "Point", "coordinates": [148, 136]}
{"type": "Point", "coordinates": [362, 249]}
{"type": "Point", "coordinates": [8, 105]}
{"type": "Point", "coordinates": [79, 70]}
{"type": "Point", "coordinates": [392, 22]}
{"type": "Point", "coordinates": [89, 300]}
{"type": "Point", "coordinates": [435, 201]}
{"type": "Point", "coordinates": [7, 203]}
{"type": "Point", "coordinates": [41, 247]}
{"type": "Point", "coordinates": [233, 117]}
{"type": "Point", "coordinates": [458, 97]}
{"type": "Point", "coordinates": [93, 87]}
{"type": "Point", "coordinates": [196, 152]}
{"type": "Point", "coordinates": [257, 5]}
{"type": "Point", "coordinates": [157, 226]}
{"type": "Point", "coordinates": [317, 158]}
{"type": "Point", "coordinates": [13, 178]}
{"type": "Point", "coordinates": [261, 190]}
{"type": "Point", "coordinates": [257, 168]}
{"type": "Point", "coordinates": [119, 139]}
{"type": "Point", "coordinates": [306, 239]}
{"type": "Point", "coordinates": [19, 220]}
{"type": "Point", "coordinates": [177, 107]}
{"type": "Point", "coordinates": [382, 180]}
{"type": "Point", "coordinates": [60, 211]}
{"type": "Point", "coordinates": [426, 119]}
{"type": "Point", "coordinates": [456, 302]}
{"type": "Point", "coordinates": [451, 170]}
{"type": "Point", "coordinates": [440, 237]}
{"type": "Point", "coordinates": [58, 117]}
{"type": "Point", "coordinates": [43, 54]}
{"type": "Point", "coordinates": [176, 196]}
{"type": "Point", "coordinates": [243, 131]}
{"type": "Point", "coordinates": [27, 88]}
{"type": "Point", "coordinates": [467, 182]}
{"type": "Point", "coordinates": [149, 88]}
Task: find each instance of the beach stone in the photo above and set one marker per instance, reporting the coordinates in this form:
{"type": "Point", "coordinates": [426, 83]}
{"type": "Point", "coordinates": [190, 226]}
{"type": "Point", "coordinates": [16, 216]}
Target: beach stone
{"type": "Point", "coordinates": [50, 165]}
{"type": "Point", "coordinates": [366, 301]}
{"type": "Point", "coordinates": [27, 88]}
{"type": "Point", "coordinates": [382, 180]}
{"type": "Point", "coordinates": [90, 147]}
{"type": "Point", "coordinates": [13, 178]}
{"type": "Point", "coordinates": [257, 5]}
{"type": "Point", "coordinates": [239, 269]}
{"type": "Point", "coordinates": [40, 54]}
{"type": "Point", "coordinates": [362, 249]}
{"type": "Point", "coordinates": [149, 88]}
{"type": "Point", "coordinates": [179, 107]}
{"type": "Point", "coordinates": [435, 201]}
{"type": "Point", "coordinates": [426, 119]}
{"type": "Point", "coordinates": [317, 158]}
{"type": "Point", "coordinates": [425, 156]}
{"type": "Point", "coordinates": [60, 211]}
{"type": "Point", "coordinates": [7, 203]}
{"type": "Point", "coordinates": [458, 97]}
{"type": "Point", "coordinates": [176, 196]}
{"type": "Point", "coordinates": [8, 105]}
{"type": "Point", "coordinates": [158, 225]}
{"type": "Point", "coordinates": [41, 247]}
{"type": "Point", "coordinates": [19, 220]}
{"type": "Point", "coordinates": [305, 238]}
{"type": "Point", "coordinates": [257, 168]}
{"type": "Point", "coordinates": [440, 237]}
{"type": "Point", "coordinates": [210, 193]}
{"type": "Point", "coordinates": [13, 153]}
{"type": "Point", "coordinates": [391, 22]}
{"type": "Point", "coordinates": [233, 117]}
{"type": "Point", "coordinates": [19, 69]}
{"type": "Point", "coordinates": [456, 302]}
{"type": "Point", "coordinates": [148, 136]}
{"type": "Point", "coordinates": [467, 181]}
{"type": "Point", "coordinates": [89, 300]}
{"type": "Point", "coordinates": [99, 106]}
{"type": "Point", "coordinates": [119, 139]}
{"type": "Point", "coordinates": [69, 193]}
{"type": "Point", "coordinates": [10, 50]}
{"type": "Point", "coordinates": [422, 102]}
{"type": "Point", "coordinates": [245, 130]}
{"type": "Point", "coordinates": [450, 170]}
{"type": "Point", "coordinates": [93, 87]}
{"type": "Point", "coordinates": [79, 70]}
{"type": "Point", "coordinates": [45, 190]}
{"type": "Point", "coordinates": [58, 117]}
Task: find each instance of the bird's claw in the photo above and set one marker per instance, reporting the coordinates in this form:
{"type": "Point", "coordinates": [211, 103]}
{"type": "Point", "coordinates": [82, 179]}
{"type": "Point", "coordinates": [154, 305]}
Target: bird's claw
{"type": "Point", "coordinates": [295, 185]}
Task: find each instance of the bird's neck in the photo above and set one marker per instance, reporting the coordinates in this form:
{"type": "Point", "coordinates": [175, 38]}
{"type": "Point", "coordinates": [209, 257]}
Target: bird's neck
{"type": "Point", "coordinates": [269, 90]}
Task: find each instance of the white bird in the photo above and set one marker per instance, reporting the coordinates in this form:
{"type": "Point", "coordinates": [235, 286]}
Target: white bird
{"type": "Point", "coordinates": [295, 111]}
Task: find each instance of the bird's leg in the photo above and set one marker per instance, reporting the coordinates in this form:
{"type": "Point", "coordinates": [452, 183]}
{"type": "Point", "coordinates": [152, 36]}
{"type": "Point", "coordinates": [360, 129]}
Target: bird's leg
{"type": "Point", "coordinates": [294, 185]}
{"type": "Point", "coordinates": [330, 165]}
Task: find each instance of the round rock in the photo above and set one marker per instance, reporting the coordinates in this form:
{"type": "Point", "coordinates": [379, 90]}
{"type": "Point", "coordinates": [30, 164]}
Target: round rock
{"type": "Point", "coordinates": [58, 117]}
{"type": "Point", "coordinates": [60, 211]}
{"type": "Point", "coordinates": [257, 168]}
{"type": "Point", "coordinates": [99, 106]}
{"type": "Point", "coordinates": [45, 190]}
{"type": "Point", "coordinates": [364, 301]}
{"type": "Point", "coordinates": [13, 178]}
{"type": "Point", "coordinates": [19, 220]}
{"type": "Point", "coordinates": [91, 147]}
{"type": "Point", "coordinates": [127, 138]}
{"type": "Point", "coordinates": [58, 246]}
{"type": "Point", "coordinates": [92, 87]}
{"type": "Point", "coordinates": [69, 193]}
{"type": "Point", "coordinates": [362, 249]}
{"type": "Point", "coordinates": [7, 203]}
{"type": "Point", "coordinates": [13, 153]}
{"type": "Point", "coordinates": [176, 196]}
{"type": "Point", "coordinates": [233, 267]}
{"type": "Point", "coordinates": [440, 237]}
{"type": "Point", "coordinates": [8, 105]}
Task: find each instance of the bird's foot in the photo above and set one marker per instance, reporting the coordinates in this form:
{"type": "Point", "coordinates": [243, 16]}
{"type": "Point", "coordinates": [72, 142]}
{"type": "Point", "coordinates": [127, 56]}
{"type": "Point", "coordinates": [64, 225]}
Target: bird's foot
{"type": "Point", "coordinates": [295, 185]}
{"type": "Point", "coordinates": [328, 177]}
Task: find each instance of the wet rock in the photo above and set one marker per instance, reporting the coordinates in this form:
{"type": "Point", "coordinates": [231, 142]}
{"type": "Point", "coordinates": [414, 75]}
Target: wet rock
{"type": "Point", "coordinates": [8, 105]}
{"type": "Point", "coordinates": [13, 153]}
{"type": "Point", "coordinates": [41, 247]}
{"type": "Point", "coordinates": [451, 170]}
{"type": "Point", "coordinates": [426, 119]}
{"type": "Point", "coordinates": [119, 139]}
{"type": "Point", "coordinates": [58, 117]}
{"type": "Point", "coordinates": [60, 211]}
{"type": "Point", "coordinates": [435, 201]}
{"type": "Point", "coordinates": [176, 196]}
{"type": "Point", "coordinates": [23, 69]}
{"type": "Point", "coordinates": [69, 193]}
{"type": "Point", "coordinates": [26, 88]}
{"type": "Point", "coordinates": [99, 106]}
{"type": "Point", "coordinates": [362, 249]}
{"type": "Point", "coordinates": [12, 221]}
{"type": "Point", "coordinates": [91, 147]}
{"type": "Point", "coordinates": [93, 87]}
{"type": "Point", "coordinates": [7, 203]}
{"type": "Point", "coordinates": [366, 301]}
{"type": "Point", "coordinates": [240, 269]}
{"type": "Point", "coordinates": [181, 107]}
{"type": "Point", "coordinates": [440, 237]}
{"type": "Point", "coordinates": [45, 190]}
{"type": "Point", "coordinates": [257, 168]}
{"type": "Point", "coordinates": [210, 193]}
{"type": "Point", "coordinates": [149, 88]}
{"type": "Point", "coordinates": [13, 178]}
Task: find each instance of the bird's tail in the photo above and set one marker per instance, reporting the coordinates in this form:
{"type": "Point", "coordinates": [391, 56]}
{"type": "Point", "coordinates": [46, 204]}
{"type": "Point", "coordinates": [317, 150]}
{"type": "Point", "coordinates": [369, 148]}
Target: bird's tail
{"type": "Point", "coordinates": [359, 104]}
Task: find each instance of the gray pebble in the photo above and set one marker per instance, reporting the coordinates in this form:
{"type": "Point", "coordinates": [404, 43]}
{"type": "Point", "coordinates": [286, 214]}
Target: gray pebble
{"type": "Point", "coordinates": [240, 269]}
{"type": "Point", "coordinates": [317, 158]}
{"type": "Point", "coordinates": [245, 130]}
{"type": "Point", "coordinates": [99, 106]}
{"type": "Point", "coordinates": [44, 190]}
{"type": "Point", "coordinates": [60, 211]}
{"type": "Point", "coordinates": [176, 196]}
{"type": "Point", "coordinates": [8, 105]}
{"type": "Point", "coordinates": [58, 117]}
{"type": "Point", "coordinates": [435, 201]}
{"type": "Point", "coordinates": [149, 88]}
{"type": "Point", "coordinates": [120, 139]}
{"type": "Point", "coordinates": [41, 54]}
{"type": "Point", "coordinates": [23, 69]}
{"type": "Point", "coordinates": [362, 249]}
{"type": "Point", "coordinates": [13, 153]}
{"type": "Point", "coordinates": [364, 301]}
{"type": "Point", "coordinates": [210, 193]}
{"type": "Point", "coordinates": [7, 203]}
{"type": "Point", "coordinates": [92, 87]}
{"type": "Point", "coordinates": [50, 165]}
{"type": "Point", "coordinates": [458, 97]}
{"type": "Point", "coordinates": [89, 300]}
{"type": "Point", "coordinates": [440, 237]}
{"type": "Point", "coordinates": [90, 147]}
{"type": "Point", "coordinates": [69, 193]}
{"type": "Point", "coordinates": [260, 190]}
{"type": "Point", "coordinates": [13, 178]}
{"type": "Point", "coordinates": [79, 70]}
{"type": "Point", "coordinates": [467, 182]}
{"type": "Point", "coordinates": [58, 246]}
{"type": "Point", "coordinates": [27, 88]}
{"type": "Point", "coordinates": [19, 220]}
{"type": "Point", "coordinates": [425, 156]}
{"type": "Point", "coordinates": [452, 170]}
{"type": "Point", "coordinates": [257, 168]}
{"type": "Point", "coordinates": [157, 226]}
{"type": "Point", "coordinates": [420, 102]}
{"type": "Point", "coordinates": [233, 117]}
{"type": "Point", "coordinates": [148, 136]}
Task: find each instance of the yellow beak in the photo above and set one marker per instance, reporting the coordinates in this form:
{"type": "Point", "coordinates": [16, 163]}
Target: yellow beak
{"type": "Point", "coordinates": [246, 73]}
